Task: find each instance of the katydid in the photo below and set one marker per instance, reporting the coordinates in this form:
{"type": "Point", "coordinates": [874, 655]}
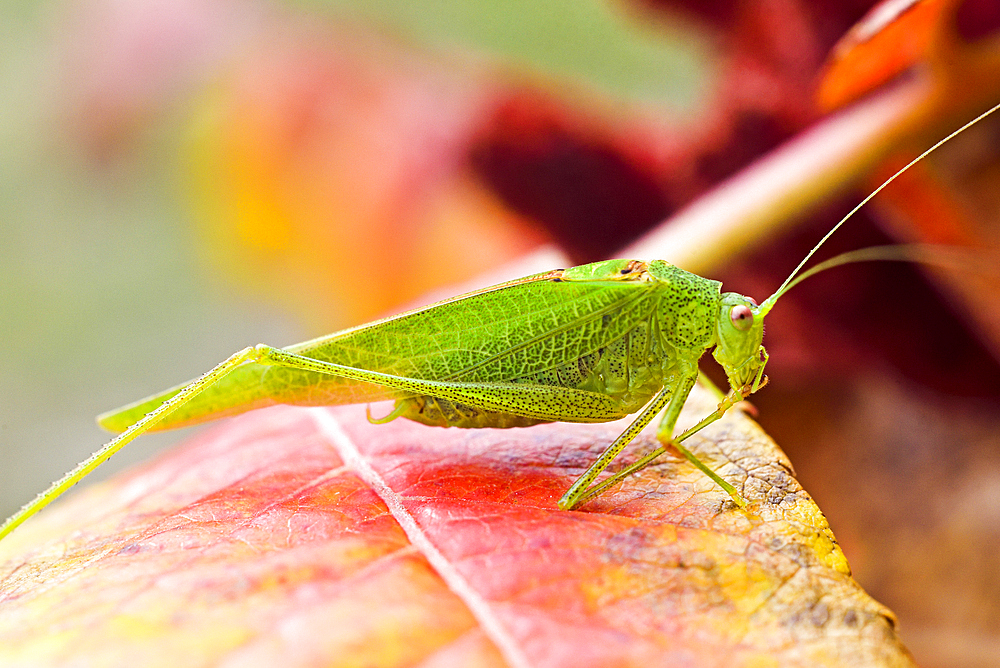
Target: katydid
{"type": "Point", "coordinates": [592, 343]}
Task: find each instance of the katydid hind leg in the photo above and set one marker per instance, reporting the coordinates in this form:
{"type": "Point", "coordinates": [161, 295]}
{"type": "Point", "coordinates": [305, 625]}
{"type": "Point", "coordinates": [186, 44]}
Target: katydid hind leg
{"type": "Point", "coordinates": [552, 403]}
{"type": "Point", "coordinates": [259, 353]}
{"type": "Point", "coordinates": [84, 468]}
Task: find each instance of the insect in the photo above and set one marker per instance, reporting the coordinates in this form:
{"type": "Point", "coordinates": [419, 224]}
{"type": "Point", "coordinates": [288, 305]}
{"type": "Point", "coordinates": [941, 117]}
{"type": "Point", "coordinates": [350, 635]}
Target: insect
{"type": "Point", "coordinates": [592, 343]}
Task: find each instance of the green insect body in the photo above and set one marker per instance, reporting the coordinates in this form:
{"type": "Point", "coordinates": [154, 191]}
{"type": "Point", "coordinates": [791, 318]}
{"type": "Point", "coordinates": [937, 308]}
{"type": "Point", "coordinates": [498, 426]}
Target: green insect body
{"type": "Point", "coordinates": [617, 329]}
{"type": "Point", "coordinates": [593, 343]}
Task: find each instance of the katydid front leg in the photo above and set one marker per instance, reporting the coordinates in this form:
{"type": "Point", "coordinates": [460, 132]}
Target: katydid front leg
{"type": "Point", "coordinates": [579, 489]}
{"type": "Point", "coordinates": [676, 396]}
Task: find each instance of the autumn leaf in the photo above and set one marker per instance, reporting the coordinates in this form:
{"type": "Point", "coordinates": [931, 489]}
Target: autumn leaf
{"type": "Point", "coordinates": [948, 198]}
{"type": "Point", "coordinates": [303, 537]}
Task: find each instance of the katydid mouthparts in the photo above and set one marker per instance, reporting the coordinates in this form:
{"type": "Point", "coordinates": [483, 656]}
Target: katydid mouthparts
{"type": "Point", "coordinates": [592, 343]}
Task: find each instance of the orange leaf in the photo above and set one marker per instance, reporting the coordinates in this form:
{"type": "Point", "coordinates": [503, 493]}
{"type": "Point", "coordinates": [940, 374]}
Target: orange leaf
{"type": "Point", "coordinates": [311, 537]}
{"type": "Point", "coordinates": [950, 197]}
{"type": "Point", "coordinates": [890, 39]}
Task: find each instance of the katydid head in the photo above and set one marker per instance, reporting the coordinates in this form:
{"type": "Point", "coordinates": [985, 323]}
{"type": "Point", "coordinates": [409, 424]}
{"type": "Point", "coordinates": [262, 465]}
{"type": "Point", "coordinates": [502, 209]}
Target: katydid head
{"type": "Point", "coordinates": [740, 328]}
{"type": "Point", "coordinates": [739, 332]}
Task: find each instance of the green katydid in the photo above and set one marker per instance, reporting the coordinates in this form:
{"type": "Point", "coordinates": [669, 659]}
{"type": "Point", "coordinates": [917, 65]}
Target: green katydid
{"type": "Point", "coordinates": [592, 343]}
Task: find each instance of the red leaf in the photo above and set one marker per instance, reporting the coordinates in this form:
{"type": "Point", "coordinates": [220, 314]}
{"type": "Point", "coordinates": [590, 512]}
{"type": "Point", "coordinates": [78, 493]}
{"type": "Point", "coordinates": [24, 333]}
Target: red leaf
{"type": "Point", "coordinates": [310, 537]}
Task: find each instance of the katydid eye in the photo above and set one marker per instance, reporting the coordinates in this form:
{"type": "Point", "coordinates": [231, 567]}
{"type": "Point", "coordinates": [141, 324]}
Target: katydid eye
{"type": "Point", "coordinates": [742, 317]}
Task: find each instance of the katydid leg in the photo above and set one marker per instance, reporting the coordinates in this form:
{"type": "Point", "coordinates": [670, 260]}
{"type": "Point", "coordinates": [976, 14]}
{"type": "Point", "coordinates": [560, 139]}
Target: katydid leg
{"type": "Point", "coordinates": [545, 402]}
{"type": "Point", "coordinates": [733, 398]}
{"type": "Point", "coordinates": [671, 397]}
{"type": "Point", "coordinates": [82, 469]}
{"type": "Point", "coordinates": [573, 495]}
{"type": "Point", "coordinates": [524, 395]}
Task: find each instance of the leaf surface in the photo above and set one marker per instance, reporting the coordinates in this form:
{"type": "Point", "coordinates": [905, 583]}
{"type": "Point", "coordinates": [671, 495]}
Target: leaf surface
{"type": "Point", "coordinates": [307, 537]}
